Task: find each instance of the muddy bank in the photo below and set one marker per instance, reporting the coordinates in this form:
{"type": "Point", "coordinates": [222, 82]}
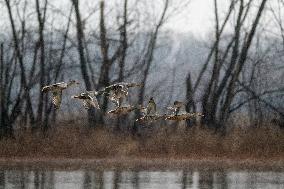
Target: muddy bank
{"type": "Point", "coordinates": [77, 148]}
{"type": "Point", "coordinates": [77, 142]}
{"type": "Point", "coordinates": [143, 163]}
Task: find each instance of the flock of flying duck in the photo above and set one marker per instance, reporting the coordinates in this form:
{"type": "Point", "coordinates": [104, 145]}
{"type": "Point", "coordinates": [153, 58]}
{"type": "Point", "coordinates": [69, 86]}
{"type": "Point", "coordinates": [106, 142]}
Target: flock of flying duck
{"type": "Point", "coordinates": [117, 93]}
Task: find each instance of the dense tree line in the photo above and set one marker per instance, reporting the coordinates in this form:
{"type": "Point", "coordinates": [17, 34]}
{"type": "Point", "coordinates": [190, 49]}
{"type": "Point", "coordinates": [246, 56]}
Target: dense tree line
{"type": "Point", "coordinates": [101, 43]}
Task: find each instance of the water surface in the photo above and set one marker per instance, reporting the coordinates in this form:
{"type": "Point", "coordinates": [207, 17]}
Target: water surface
{"type": "Point", "coordinates": [139, 179]}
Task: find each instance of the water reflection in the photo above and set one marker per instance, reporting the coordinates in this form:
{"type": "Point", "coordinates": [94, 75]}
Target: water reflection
{"type": "Point", "coordinates": [139, 179]}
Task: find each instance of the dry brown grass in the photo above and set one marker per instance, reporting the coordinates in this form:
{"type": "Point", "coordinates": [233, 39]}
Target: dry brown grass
{"type": "Point", "coordinates": [78, 142]}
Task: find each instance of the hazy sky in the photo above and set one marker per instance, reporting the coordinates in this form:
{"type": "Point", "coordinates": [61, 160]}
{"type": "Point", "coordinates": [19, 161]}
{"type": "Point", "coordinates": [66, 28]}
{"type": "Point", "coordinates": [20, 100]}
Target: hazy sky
{"type": "Point", "coordinates": [196, 18]}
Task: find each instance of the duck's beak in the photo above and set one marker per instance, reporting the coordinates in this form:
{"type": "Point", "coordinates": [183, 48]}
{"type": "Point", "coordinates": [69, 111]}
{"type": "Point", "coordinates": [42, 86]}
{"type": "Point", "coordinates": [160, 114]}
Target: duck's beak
{"type": "Point", "coordinates": [74, 96]}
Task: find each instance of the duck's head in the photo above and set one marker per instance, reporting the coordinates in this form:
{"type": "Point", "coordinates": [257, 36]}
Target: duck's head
{"type": "Point", "coordinates": [151, 100]}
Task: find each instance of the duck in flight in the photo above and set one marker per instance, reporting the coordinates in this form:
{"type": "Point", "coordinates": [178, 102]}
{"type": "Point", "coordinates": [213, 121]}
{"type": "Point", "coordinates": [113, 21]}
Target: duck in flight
{"type": "Point", "coordinates": [176, 108]}
{"type": "Point", "coordinates": [183, 116]}
{"type": "Point", "coordinates": [151, 108]}
{"type": "Point", "coordinates": [117, 92]}
{"type": "Point", "coordinates": [149, 112]}
{"type": "Point", "coordinates": [178, 114]}
{"type": "Point", "coordinates": [57, 89]}
{"type": "Point", "coordinates": [89, 99]}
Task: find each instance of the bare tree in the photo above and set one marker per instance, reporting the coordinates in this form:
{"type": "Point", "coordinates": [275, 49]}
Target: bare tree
{"type": "Point", "coordinates": [24, 88]}
{"type": "Point", "coordinates": [80, 47]}
{"type": "Point", "coordinates": [83, 62]}
{"type": "Point", "coordinates": [148, 58]}
{"type": "Point", "coordinates": [220, 91]}
{"type": "Point", "coordinates": [41, 43]}
{"type": "Point", "coordinates": [2, 89]}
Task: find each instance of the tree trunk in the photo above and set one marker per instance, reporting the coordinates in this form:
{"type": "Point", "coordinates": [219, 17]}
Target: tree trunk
{"type": "Point", "coordinates": [41, 43]}
{"type": "Point", "coordinates": [224, 112]}
{"type": "Point", "coordinates": [83, 63]}
{"type": "Point", "coordinates": [190, 104]}
{"type": "Point", "coordinates": [106, 64]}
{"type": "Point", "coordinates": [147, 61]}
{"type": "Point", "coordinates": [123, 48]}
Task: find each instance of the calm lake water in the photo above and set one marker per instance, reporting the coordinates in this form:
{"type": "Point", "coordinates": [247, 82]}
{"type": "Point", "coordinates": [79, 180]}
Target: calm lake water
{"type": "Point", "coordinates": [136, 179]}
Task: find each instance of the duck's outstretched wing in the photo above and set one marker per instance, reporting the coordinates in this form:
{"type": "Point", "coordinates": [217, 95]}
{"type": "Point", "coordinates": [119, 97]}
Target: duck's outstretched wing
{"type": "Point", "coordinates": [177, 117]}
{"type": "Point", "coordinates": [122, 110]}
{"type": "Point", "coordinates": [149, 118]}
{"type": "Point", "coordinates": [55, 86]}
{"type": "Point", "coordinates": [129, 85]}
{"type": "Point", "coordinates": [183, 116]}
{"type": "Point", "coordinates": [116, 100]}
{"type": "Point", "coordinates": [112, 88]}
{"type": "Point", "coordinates": [61, 85]}
{"type": "Point", "coordinates": [91, 103]}
{"type": "Point", "coordinates": [56, 98]}
{"type": "Point", "coordinates": [95, 103]}
{"type": "Point", "coordinates": [105, 90]}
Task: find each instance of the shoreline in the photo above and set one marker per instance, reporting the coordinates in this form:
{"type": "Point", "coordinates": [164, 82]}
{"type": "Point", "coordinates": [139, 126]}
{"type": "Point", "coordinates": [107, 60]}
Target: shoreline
{"type": "Point", "coordinates": [143, 163]}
